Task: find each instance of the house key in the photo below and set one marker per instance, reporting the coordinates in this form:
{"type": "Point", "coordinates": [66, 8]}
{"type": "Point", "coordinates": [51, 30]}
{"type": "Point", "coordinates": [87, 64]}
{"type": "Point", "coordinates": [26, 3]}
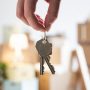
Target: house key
{"type": "Point", "coordinates": [44, 49]}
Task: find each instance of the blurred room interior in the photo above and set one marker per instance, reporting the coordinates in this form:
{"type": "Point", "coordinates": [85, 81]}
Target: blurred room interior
{"type": "Point", "coordinates": [70, 37]}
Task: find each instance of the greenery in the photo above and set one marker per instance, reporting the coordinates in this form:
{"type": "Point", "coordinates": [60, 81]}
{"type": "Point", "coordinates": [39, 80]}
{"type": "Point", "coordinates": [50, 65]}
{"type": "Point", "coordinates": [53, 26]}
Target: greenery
{"type": "Point", "coordinates": [3, 70]}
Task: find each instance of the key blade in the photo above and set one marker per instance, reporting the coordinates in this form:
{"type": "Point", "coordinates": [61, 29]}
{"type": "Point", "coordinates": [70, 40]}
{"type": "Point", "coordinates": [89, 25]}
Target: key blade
{"type": "Point", "coordinates": [41, 66]}
{"type": "Point", "coordinates": [50, 66]}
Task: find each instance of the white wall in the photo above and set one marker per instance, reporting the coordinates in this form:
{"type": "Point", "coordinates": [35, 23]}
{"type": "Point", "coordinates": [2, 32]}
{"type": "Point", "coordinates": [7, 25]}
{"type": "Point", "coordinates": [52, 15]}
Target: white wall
{"type": "Point", "coordinates": [7, 15]}
{"type": "Point", "coordinates": [73, 11]}
{"type": "Point", "coordinates": [7, 11]}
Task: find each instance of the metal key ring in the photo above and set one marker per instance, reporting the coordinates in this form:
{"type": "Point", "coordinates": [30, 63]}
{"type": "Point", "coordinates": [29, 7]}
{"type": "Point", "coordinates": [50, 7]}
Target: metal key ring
{"type": "Point", "coordinates": [45, 38]}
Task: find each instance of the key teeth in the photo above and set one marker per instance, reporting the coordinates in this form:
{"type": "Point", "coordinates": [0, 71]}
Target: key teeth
{"type": "Point", "coordinates": [51, 66]}
{"type": "Point", "coordinates": [53, 72]}
{"type": "Point", "coordinates": [53, 69]}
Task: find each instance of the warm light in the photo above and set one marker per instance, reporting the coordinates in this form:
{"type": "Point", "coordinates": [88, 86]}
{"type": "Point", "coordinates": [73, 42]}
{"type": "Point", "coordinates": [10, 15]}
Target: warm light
{"type": "Point", "coordinates": [18, 42]}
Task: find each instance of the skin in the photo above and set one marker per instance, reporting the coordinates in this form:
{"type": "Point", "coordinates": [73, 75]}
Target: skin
{"type": "Point", "coordinates": [25, 12]}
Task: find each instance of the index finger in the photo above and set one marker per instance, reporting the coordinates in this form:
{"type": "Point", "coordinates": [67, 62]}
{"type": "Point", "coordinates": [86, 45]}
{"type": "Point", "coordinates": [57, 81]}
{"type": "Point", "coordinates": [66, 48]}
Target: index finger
{"type": "Point", "coordinates": [20, 11]}
{"type": "Point", "coordinates": [29, 10]}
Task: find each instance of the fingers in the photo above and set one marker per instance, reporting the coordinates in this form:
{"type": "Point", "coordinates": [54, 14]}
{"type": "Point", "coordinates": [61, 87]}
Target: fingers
{"type": "Point", "coordinates": [25, 11]}
{"type": "Point", "coordinates": [40, 20]}
{"type": "Point", "coordinates": [52, 12]}
{"type": "Point", "coordinates": [29, 9]}
{"type": "Point", "coordinates": [20, 11]}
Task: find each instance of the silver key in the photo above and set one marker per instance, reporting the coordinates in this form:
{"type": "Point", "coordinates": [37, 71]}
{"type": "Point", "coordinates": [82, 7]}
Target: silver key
{"type": "Point", "coordinates": [44, 49]}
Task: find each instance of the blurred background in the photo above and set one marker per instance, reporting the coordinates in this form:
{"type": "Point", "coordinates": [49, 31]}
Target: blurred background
{"type": "Point", "coordinates": [70, 36]}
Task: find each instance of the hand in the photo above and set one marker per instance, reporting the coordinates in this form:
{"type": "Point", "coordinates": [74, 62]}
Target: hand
{"type": "Point", "coordinates": [25, 11]}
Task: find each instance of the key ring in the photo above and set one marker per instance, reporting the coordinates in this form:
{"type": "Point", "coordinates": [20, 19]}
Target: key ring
{"type": "Point", "coordinates": [45, 38]}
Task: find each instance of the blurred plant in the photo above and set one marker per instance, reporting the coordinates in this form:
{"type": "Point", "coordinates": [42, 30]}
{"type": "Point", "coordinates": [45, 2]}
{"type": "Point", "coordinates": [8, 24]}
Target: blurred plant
{"type": "Point", "coordinates": [3, 71]}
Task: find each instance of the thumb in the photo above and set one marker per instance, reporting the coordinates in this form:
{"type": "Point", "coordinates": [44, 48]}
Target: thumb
{"type": "Point", "coordinates": [52, 12]}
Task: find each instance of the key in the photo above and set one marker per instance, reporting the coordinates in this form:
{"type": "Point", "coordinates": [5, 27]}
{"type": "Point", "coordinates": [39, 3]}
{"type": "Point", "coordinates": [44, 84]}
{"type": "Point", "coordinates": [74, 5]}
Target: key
{"type": "Point", "coordinates": [44, 49]}
{"type": "Point", "coordinates": [49, 65]}
{"type": "Point", "coordinates": [41, 66]}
